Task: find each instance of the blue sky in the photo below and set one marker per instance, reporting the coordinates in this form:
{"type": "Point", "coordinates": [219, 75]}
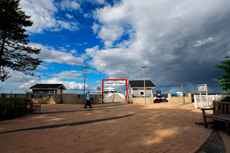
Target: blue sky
{"type": "Point", "coordinates": [179, 42]}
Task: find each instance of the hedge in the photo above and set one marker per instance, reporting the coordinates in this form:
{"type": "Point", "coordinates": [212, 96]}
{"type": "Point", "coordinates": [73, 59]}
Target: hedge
{"type": "Point", "coordinates": [12, 108]}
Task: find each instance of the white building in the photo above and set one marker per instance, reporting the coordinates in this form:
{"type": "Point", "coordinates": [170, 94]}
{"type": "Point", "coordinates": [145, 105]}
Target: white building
{"type": "Point", "coordinates": [49, 90]}
{"type": "Point", "coordinates": [136, 87]}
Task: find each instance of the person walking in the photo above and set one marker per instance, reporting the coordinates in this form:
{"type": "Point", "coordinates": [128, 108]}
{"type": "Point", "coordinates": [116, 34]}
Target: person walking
{"type": "Point", "coordinates": [88, 100]}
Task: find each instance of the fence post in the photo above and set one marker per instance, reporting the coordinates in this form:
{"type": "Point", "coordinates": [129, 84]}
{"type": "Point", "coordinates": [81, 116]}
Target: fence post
{"type": "Point", "coordinates": [195, 100]}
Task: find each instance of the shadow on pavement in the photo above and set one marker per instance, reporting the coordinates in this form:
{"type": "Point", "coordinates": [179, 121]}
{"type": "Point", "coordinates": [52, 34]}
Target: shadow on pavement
{"type": "Point", "coordinates": [213, 144]}
{"type": "Point", "coordinates": [68, 124]}
{"type": "Point", "coordinates": [96, 108]}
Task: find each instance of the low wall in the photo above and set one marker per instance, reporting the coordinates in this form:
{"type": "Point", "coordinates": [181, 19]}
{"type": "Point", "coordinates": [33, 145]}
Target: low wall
{"type": "Point", "coordinates": [141, 100]}
{"type": "Point", "coordinates": [80, 100]}
{"type": "Point", "coordinates": [179, 100]}
{"type": "Point", "coordinates": [92, 100]}
{"type": "Point", "coordinates": [28, 95]}
{"type": "Point", "coordinates": [66, 99]}
{"type": "Point", "coordinates": [45, 100]}
{"type": "Point", "coordinates": [36, 100]}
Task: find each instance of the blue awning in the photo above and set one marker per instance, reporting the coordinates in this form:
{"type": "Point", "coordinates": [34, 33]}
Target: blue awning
{"type": "Point", "coordinates": [174, 93]}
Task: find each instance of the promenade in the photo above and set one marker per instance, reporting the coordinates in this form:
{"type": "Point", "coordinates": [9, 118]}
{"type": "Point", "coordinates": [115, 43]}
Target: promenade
{"type": "Point", "coordinates": [110, 128]}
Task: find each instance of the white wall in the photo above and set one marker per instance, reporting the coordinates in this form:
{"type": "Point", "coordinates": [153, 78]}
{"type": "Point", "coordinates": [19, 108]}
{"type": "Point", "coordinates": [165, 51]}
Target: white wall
{"type": "Point", "coordinates": [58, 91]}
{"type": "Point", "coordinates": [137, 92]}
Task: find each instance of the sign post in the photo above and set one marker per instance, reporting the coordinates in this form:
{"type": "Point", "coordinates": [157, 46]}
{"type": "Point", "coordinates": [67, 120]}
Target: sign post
{"type": "Point", "coordinates": [202, 88]}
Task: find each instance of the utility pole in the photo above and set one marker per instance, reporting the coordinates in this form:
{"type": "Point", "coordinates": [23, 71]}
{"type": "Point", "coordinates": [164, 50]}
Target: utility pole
{"type": "Point", "coordinates": [143, 67]}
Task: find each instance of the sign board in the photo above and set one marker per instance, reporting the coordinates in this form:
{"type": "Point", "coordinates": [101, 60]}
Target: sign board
{"type": "Point", "coordinates": [115, 83]}
{"type": "Point", "coordinates": [158, 92]}
{"type": "Point", "coordinates": [202, 88]}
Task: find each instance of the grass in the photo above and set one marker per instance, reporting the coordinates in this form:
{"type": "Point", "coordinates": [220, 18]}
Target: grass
{"type": "Point", "coordinates": [10, 108]}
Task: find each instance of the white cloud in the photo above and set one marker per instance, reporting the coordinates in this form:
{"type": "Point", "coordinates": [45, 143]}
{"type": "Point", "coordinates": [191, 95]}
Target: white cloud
{"type": "Point", "coordinates": [70, 5]}
{"type": "Point", "coordinates": [82, 44]}
{"type": "Point", "coordinates": [41, 67]}
{"type": "Point", "coordinates": [69, 16]}
{"type": "Point", "coordinates": [95, 28]}
{"type": "Point", "coordinates": [72, 26]}
{"type": "Point", "coordinates": [43, 15]}
{"type": "Point", "coordinates": [100, 1]}
{"type": "Point", "coordinates": [73, 51]}
{"type": "Point", "coordinates": [68, 75]}
{"type": "Point", "coordinates": [75, 5]}
{"type": "Point", "coordinates": [17, 82]}
{"type": "Point", "coordinates": [157, 34]}
{"type": "Point", "coordinates": [28, 84]}
{"type": "Point", "coordinates": [70, 85]}
{"type": "Point", "coordinates": [94, 1]}
{"type": "Point", "coordinates": [18, 77]}
{"type": "Point", "coordinates": [110, 34]}
{"type": "Point", "coordinates": [209, 40]}
{"type": "Point", "coordinates": [50, 55]}
{"type": "Point", "coordinates": [62, 49]}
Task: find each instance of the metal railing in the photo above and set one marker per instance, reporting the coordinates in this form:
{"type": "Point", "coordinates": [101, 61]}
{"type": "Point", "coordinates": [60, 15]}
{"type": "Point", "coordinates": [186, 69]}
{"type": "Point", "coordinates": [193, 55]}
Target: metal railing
{"type": "Point", "coordinates": [11, 95]}
{"type": "Point", "coordinates": [91, 96]}
{"type": "Point", "coordinates": [44, 96]}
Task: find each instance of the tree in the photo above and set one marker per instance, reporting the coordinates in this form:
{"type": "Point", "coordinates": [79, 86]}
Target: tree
{"type": "Point", "coordinates": [225, 78]}
{"type": "Point", "coordinates": [15, 54]}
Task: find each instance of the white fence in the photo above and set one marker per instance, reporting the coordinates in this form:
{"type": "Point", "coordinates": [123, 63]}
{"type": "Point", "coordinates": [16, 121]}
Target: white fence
{"type": "Point", "coordinates": [106, 96]}
{"type": "Point", "coordinates": [205, 101]}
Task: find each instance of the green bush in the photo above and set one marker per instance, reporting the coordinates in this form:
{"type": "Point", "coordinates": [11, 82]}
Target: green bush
{"type": "Point", "coordinates": [226, 98]}
{"type": "Point", "coordinates": [12, 108]}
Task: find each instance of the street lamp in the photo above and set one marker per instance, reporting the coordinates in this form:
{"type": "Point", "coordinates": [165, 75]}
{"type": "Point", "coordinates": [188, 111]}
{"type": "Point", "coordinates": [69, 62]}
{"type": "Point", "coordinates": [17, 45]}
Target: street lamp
{"type": "Point", "coordinates": [143, 67]}
{"type": "Point", "coordinates": [84, 84]}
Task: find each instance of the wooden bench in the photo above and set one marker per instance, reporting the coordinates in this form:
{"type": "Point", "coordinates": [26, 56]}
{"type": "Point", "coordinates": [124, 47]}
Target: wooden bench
{"type": "Point", "coordinates": [221, 112]}
{"type": "Point", "coordinates": [32, 105]}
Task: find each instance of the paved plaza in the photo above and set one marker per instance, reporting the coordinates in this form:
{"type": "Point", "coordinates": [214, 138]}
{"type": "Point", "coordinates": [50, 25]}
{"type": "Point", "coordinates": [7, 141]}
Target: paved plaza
{"type": "Point", "coordinates": [110, 128]}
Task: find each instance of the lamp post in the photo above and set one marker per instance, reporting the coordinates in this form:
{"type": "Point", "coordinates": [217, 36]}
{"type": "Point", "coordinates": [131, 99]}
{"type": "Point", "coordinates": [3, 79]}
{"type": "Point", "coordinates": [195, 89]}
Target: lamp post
{"type": "Point", "coordinates": [143, 67]}
{"type": "Point", "coordinates": [84, 84]}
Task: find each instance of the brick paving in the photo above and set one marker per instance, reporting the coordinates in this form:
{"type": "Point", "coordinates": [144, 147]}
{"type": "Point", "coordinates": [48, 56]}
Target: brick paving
{"type": "Point", "coordinates": [108, 128]}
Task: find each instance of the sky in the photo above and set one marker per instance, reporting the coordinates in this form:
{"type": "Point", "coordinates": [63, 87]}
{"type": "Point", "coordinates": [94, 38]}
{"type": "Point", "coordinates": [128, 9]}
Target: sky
{"type": "Point", "coordinates": [179, 41]}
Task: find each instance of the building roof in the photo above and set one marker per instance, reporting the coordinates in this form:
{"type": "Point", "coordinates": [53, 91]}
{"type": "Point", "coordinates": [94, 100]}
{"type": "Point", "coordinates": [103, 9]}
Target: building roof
{"type": "Point", "coordinates": [48, 86]}
{"type": "Point", "coordinates": [140, 83]}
